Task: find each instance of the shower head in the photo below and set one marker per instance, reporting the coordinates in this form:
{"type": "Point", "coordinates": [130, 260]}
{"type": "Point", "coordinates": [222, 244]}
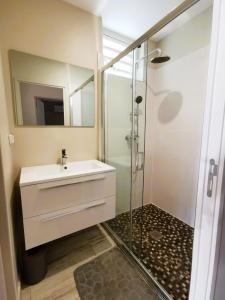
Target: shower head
{"type": "Point", "coordinates": [138, 100]}
{"type": "Point", "coordinates": [160, 59]}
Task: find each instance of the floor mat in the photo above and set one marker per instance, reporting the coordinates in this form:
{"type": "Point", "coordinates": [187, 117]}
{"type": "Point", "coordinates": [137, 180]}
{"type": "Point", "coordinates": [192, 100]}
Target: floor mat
{"type": "Point", "coordinates": [111, 276]}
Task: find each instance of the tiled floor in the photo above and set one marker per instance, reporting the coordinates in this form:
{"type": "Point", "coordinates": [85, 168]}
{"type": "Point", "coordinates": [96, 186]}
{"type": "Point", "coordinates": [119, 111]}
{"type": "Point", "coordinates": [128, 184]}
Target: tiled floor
{"type": "Point", "coordinates": [64, 256]}
{"type": "Point", "coordinates": [163, 243]}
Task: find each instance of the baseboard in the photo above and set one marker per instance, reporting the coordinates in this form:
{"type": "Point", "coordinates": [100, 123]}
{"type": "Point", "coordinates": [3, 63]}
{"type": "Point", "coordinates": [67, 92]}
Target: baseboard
{"type": "Point", "coordinates": [18, 290]}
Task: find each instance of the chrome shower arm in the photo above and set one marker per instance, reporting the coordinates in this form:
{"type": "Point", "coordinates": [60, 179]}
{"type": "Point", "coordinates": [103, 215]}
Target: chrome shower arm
{"type": "Point", "coordinates": [158, 52]}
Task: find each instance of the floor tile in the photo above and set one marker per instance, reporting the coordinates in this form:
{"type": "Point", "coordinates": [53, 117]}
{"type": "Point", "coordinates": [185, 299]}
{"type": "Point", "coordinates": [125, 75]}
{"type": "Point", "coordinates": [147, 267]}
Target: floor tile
{"type": "Point", "coordinates": [64, 256]}
{"type": "Point", "coordinates": [26, 293]}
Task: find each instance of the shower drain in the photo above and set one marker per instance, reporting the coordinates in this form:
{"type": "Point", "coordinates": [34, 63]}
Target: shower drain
{"type": "Point", "coordinates": [156, 235]}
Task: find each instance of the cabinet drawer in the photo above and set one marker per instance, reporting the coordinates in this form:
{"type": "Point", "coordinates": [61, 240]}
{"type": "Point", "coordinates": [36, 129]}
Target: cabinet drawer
{"type": "Point", "coordinates": [42, 198]}
{"type": "Point", "coordinates": [42, 229]}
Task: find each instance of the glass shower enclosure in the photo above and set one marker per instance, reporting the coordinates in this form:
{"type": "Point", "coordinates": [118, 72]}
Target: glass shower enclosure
{"type": "Point", "coordinates": [125, 103]}
{"type": "Point", "coordinates": [124, 135]}
{"type": "Point", "coordinates": [153, 100]}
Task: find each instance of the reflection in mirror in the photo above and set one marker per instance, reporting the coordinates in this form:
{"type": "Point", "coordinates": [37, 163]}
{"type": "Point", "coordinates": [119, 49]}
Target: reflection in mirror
{"type": "Point", "coordinates": [41, 105]}
{"type": "Point", "coordinates": [82, 104]}
{"type": "Point", "coordinates": [48, 92]}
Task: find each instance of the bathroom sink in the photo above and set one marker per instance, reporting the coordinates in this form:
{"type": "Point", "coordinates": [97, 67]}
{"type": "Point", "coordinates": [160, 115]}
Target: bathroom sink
{"type": "Point", "coordinates": [58, 200]}
{"type": "Point", "coordinates": [46, 173]}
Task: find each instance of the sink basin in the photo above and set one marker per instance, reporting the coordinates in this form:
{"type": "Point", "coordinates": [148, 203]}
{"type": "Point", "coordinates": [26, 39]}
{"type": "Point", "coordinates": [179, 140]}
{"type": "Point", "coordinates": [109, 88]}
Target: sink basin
{"type": "Point", "coordinates": [46, 173]}
{"type": "Point", "coordinates": [59, 200]}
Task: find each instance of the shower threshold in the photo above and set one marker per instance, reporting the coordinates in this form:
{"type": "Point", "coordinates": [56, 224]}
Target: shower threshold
{"type": "Point", "coordinates": [161, 244]}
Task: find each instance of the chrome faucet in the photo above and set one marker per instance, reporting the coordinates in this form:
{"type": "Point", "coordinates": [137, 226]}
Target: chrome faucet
{"type": "Point", "coordinates": [64, 157]}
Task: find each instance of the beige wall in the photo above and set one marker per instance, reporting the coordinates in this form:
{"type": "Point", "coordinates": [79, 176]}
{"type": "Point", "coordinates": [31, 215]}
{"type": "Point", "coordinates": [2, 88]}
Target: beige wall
{"type": "Point", "coordinates": [56, 30]}
{"type": "Point", "coordinates": [6, 194]}
{"type": "Point", "coordinates": [52, 29]}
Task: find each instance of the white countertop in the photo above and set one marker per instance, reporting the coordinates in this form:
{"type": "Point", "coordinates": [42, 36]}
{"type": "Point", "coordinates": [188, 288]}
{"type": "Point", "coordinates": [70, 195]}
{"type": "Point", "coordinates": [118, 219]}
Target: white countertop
{"type": "Point", "coordinates": [46, 173]}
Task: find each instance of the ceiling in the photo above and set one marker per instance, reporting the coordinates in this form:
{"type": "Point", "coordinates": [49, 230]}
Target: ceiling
{"type": "Point", "coordinates": [132, 18]}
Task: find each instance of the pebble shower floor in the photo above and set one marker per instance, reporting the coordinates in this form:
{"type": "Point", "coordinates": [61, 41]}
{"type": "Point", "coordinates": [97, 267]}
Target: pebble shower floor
{"type": "Point", "coordinates": [163, 243]}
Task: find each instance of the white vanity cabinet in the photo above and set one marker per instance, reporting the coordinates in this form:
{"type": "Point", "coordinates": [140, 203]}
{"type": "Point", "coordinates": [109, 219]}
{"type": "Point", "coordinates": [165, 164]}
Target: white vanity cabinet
{"type": "Point", "coordinates": [57, 201]}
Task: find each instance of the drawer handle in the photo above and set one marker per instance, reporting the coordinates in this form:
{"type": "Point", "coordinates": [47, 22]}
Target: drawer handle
{"type": "Point", "coordinates": [71, 183]}
{"type": "Point", "coordinates": [77, 209]}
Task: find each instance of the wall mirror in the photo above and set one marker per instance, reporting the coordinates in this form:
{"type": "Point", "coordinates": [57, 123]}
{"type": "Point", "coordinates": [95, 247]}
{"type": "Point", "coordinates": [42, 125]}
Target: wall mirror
{"type": "Point", "coordinates": [48, 92]}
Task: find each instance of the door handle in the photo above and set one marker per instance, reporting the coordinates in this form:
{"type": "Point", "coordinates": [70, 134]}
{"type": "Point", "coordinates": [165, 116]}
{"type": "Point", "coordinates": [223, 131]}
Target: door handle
{"type": "Point", "coordinates": [213, 171]}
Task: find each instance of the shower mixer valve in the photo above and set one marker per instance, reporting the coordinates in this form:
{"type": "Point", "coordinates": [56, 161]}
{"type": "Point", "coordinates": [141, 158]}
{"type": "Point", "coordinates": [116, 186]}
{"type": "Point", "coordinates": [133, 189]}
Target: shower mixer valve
{"type": "Point", "coordinates": [129, 137]}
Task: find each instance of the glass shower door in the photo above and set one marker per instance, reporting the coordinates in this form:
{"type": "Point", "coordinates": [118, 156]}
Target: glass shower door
{"type": "Point", "coordinates": [125, 98]}
{"type": "Point", "coordinates": [118, 140]}
{"type": "Point", "coordinates": [138, 146]}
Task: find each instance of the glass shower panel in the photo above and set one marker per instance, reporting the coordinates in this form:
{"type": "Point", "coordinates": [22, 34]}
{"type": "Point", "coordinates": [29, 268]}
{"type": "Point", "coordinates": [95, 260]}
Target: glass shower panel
{"type": "Point", "coordinates": [138, 145]}
{"type": "Point", "coordinates": [118, 139]}
{"type": "Point", "coordinates": [176, 85]}
{"type": "Point", "coordinates": [153, 129]}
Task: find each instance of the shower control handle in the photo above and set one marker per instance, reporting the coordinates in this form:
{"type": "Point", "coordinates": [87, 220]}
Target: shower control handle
{"type": "Point", "coordinates": [129, 137]}
{"type": "Point", "coordinates": [213, 170]}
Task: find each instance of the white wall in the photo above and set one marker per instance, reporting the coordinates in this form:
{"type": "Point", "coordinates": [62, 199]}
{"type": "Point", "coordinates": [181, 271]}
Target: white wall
{"type": "Point", "coordinates": [175, 104]}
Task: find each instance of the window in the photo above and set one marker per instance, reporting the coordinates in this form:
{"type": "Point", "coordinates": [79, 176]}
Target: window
{"type": "Point", "coordinates": [112, 46]}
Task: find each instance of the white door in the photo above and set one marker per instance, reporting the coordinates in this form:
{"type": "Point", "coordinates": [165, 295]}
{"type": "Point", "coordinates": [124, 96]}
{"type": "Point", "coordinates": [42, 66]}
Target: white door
{"type": "Point", "coordinates": [220, 274]}
{"type": "Point", "coordinates": [209, 203]}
